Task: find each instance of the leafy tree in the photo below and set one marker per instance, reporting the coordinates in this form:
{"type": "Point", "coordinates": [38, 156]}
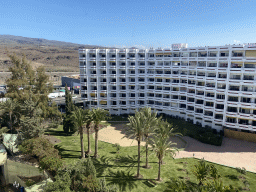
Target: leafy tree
{"type": "Point", "coordinates": [162, 145]}
{"type": "Point", "coordinates": [150, 122]}
{"type": "Point", "coordinates": [98, 115]}
{"type": "Point", "coordinates": [68, 123]}
{"type": "Point", "coordinates": [54, 114]}
{"type": "Point", "coordinates": [27, 83]}
{"type": "Point", "coordinates": [9, 112]}
{"type": "Point", "coordinates": [78, 116]}
{"type": "Point", "coordinates": [22, 79]}
{"type": "Point", "coordinates": [29, 86]}
{"type": "Point", "coordinates": [30, 121]}
{"type": "Point", "coordinates": [136, 130]}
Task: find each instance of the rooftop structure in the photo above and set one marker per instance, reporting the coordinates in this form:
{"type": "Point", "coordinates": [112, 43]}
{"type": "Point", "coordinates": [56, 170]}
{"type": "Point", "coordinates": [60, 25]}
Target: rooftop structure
{"type": "Point", "coordinates": [213, 86]}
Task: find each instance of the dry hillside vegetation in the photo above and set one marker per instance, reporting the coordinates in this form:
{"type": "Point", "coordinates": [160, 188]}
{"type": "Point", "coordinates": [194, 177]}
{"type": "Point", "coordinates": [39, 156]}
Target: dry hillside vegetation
{"type": "Point", "coordinates": [56, 56]}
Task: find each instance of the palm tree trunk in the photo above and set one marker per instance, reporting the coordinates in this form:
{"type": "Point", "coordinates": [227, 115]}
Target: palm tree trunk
{"type": "Point", "coordinates": [146, 152]}
{"type": "Point", "coordinates": [159, 170]}
{"type": "Point", "coordinates": [138, 171]}
{"type": "Point", "coordinates": [96, 141]}
{"type": "Point", "coordinates": [88, 139]}
{"type": "Point", "coordinates": [82, 142]}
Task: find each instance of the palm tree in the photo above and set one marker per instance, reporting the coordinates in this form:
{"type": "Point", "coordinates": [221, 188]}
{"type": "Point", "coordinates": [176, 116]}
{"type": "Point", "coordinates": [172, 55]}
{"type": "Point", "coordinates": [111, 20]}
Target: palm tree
{"type": "Point", "coordinates": [150, 122]}
{"type": "Point", "coordinates": [136, 130]}
{"type": "Point", "coordinates": [165, 129]}
{"type": "Point", "coordinates": [88, 121]}
{"type": "Point", "coordinates": [162, 146]}
{"type": "Point", "coordinates": [78, 116]}
{"type": "Point", "coordinates": [201, 171]}
{"type": "Point", "coordinates": [98, 115]}
{"type": "Point", "coordinates": [9, 108]}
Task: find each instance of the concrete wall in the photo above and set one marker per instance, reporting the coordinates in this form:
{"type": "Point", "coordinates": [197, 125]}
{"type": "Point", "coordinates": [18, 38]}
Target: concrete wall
{"type": "Point", "coordinates": [240, 135]}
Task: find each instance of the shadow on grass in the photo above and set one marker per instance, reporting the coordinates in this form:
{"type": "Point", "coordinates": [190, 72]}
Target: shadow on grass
{"type": "Point", "coordinates": [124, 180]}
{"type": "Point", "coordinates": [102, 164]}
{"type": "Point", "coordinates": [66, 156]}
{"type": "Point", "coordinates": [148, 184]}
{"type": "Point", "coordinates": [56, 133]}
{"type": "Point", "coordinates": [107, 162]}
{"type": "Point", "coordinates": [180, 185]}
{"type": "Point", "coordinates": [232, 177]}
{"type": "Point", "coordinates": [61, 150]}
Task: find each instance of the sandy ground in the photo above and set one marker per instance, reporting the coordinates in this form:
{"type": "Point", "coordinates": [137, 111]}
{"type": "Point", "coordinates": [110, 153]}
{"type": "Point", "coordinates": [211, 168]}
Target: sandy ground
{"type": "Point", "coordinates": [235, 153]}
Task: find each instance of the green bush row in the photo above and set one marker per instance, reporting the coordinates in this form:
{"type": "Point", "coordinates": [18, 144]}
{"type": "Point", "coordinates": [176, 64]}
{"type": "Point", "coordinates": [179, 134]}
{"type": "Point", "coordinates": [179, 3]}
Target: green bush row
{"type": "Point", "coordinates": [203, 134]}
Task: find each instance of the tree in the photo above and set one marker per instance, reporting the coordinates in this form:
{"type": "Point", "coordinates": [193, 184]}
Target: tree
{"type": "Point", "coordinates": [136, 130]}
{"type": "Point", "coordinates": [27, 83]}
{"type": "Point", "coordinates": [9, 112]}
{"type": "Point", "coordinates": [31, 120]}
{"type": "Point", "coordinates": [98, 115]}
{"type": "Point", "coordinates": [78, 116]}
{"type": "Point", "coordinates": [165, 129]}
{"type": "Point", "coordinates": [150, 122]}
{"type": "Point", "coordinates": [88, 121]}
{"type": "Point", "coordinates": [201, 171]}
{"type": "Point", "coordinates": [162, 146]}
{"type": "Point", "coordinates": [68, 122]}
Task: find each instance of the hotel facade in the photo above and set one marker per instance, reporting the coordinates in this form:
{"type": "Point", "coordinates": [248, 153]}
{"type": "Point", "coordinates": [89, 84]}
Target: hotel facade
{"type": "Point", "coordinates": [211, 86]}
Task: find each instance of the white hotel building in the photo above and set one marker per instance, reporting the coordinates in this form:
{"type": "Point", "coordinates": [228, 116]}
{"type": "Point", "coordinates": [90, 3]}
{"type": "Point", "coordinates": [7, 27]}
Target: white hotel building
{"type": "Point", "coordinates": [214, 86]}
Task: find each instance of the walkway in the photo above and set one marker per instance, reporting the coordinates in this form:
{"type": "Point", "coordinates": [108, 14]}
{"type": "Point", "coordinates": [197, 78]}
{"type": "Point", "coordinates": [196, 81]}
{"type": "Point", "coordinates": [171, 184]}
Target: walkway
{"type": "Point", "coordinates": [235, 153]}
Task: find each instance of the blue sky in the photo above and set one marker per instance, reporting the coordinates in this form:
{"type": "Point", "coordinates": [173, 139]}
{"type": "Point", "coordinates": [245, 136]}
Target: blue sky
{"type": "Point", "coordinates": [129, 23]}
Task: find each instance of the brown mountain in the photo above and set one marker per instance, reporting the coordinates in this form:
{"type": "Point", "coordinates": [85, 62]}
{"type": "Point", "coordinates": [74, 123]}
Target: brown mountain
{"type": "Point", "coordinates": [56, 56]}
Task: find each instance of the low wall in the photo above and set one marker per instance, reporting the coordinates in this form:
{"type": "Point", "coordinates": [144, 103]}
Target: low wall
{"type": "Point", "coordinates": [240, 135]}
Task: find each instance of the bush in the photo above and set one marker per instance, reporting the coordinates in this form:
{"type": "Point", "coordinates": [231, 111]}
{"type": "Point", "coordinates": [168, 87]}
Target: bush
{"type": "Point", "coordinates": [90, 184]}
{"type": "Point", "coordinates": [204, 135]}
{"type": "Point", "coordinates": [44, 151]}
{"type": "Point", "coordinates": [61, 184]}
{"type": "Point", "coordinates": [39, 147]}
{"type": "Point", "coordinates": [51, 164]}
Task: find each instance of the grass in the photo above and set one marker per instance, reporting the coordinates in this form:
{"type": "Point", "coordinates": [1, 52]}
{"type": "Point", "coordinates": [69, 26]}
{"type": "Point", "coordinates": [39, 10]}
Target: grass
{"type": "Point", "coordinates": [120, 168]}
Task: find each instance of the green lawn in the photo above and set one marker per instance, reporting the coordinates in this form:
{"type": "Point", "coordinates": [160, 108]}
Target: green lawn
{"type": "Point", "coordinates": [121, 171]}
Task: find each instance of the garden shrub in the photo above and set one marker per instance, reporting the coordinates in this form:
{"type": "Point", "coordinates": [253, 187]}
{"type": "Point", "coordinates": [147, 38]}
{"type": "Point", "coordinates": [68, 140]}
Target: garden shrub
{"type": "Point", "coordinates": [38, 147]}
{"type": "Point", "coordinates": [90, 184]}
{"type": "Point", "coordinates": [51, 164]}
{"type": "Point", "coordinates": [203, 134]}
{"type": "Point", "coordinates": [61, 184]}
{"type": "Point", "coordinates": [45, 153]}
